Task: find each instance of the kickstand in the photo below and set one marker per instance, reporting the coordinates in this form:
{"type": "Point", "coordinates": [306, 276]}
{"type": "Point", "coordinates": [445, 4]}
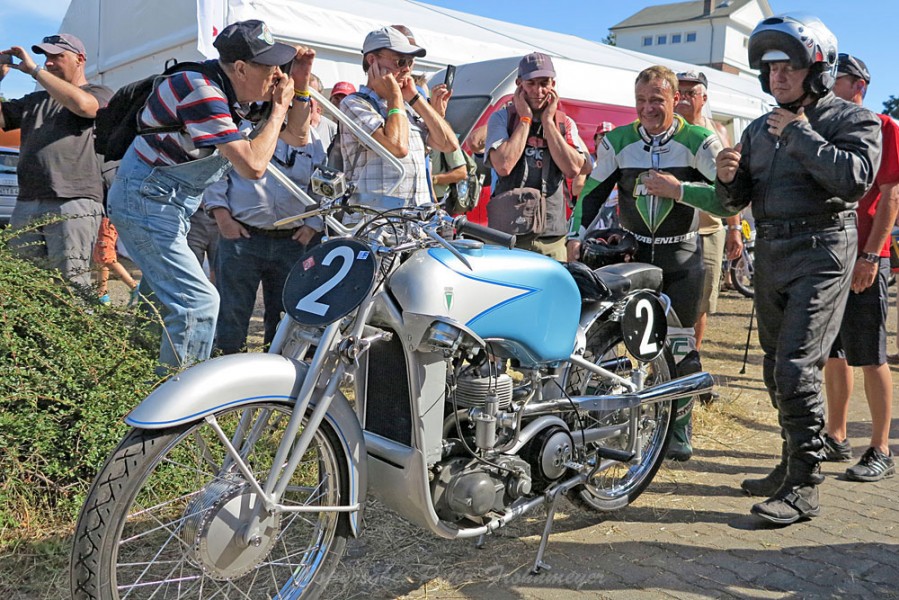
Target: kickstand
{"type": "Point", "coordinates": [481, 542]}
{"type": "Point", "coordinates": [539, 565]}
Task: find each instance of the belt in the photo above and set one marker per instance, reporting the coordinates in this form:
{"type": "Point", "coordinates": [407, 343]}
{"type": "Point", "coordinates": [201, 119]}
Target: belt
{"type": "Point", "coordinates": [671, 239]}
{"type": "Point", "coordinates": [276, 234]}
{"type": "Point", "coordinates": [781, 228]}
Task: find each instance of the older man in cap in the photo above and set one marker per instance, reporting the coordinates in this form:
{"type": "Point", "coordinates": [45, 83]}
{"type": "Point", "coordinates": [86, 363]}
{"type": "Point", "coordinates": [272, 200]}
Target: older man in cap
{"type": "Point", "coordinates": [716, 240]}
{"type": "Point", "coordinates": [162, 176]}
{"type": "Point", "coordinates": [58, 171]}
{"type": "Point", "coordinates": [341, 90]}
{"type": "Point", "coordinates": [532, 144]}
{"type": "Point", "coordinates": [391, 110]}
{"type": "Point", "coordinates": [862, 338]}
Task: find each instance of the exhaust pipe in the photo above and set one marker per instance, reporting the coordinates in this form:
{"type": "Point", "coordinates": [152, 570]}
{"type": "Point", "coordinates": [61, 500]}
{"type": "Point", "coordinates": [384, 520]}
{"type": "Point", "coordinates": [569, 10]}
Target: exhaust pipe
{"type": "Point", "coordinates": [682, 387]}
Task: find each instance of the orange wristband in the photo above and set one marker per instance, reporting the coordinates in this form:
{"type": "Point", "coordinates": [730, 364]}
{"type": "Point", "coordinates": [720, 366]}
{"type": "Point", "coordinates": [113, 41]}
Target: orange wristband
{"type": "Point", "coordinates": [527, 120]}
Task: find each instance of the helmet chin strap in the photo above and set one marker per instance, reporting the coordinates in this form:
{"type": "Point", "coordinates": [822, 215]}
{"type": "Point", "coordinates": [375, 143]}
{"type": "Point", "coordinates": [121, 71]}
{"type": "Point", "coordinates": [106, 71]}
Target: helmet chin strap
{"type": "Point", "coordinates": [795, 105]}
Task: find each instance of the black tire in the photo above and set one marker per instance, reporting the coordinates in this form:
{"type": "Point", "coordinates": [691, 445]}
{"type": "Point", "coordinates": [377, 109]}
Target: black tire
{"type": "Point", "coordinates": [742, 273]}
{"type": "Point", "coordinates": [617, 484]}
{"type": "Point", "coordinates": [157, 520]}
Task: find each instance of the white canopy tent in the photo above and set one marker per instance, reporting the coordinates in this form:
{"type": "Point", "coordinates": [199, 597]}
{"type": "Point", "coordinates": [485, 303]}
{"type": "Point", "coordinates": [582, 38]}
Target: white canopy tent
{"type": "Point", "coordinates": [130, 39]}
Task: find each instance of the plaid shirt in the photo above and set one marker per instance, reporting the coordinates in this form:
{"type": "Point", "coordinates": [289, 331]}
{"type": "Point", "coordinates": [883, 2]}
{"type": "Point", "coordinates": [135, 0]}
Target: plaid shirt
{"type": "Point", "coordinates": [372, 175]}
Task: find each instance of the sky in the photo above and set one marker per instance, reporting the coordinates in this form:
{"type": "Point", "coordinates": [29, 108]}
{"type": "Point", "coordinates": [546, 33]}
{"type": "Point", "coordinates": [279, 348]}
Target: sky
{"type": "Point", "coordinates": [863, 28]}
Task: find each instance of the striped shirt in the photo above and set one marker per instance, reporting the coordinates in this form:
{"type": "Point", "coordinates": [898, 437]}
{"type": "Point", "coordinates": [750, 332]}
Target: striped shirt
{"type": "Point", "coordinates": [189, 99]}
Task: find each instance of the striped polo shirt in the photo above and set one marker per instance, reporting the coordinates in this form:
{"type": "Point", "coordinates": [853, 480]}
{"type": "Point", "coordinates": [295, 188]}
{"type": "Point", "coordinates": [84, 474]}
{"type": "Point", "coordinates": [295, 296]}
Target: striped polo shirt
{"type": "Point", "coordinates": [192, 100]}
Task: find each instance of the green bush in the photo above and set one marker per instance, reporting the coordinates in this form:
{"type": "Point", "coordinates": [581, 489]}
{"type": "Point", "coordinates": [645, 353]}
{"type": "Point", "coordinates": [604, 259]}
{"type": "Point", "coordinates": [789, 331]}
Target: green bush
{"type": "Point", "coordinates": [69, 372]}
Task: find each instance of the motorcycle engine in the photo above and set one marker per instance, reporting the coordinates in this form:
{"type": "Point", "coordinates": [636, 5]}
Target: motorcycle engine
{"type": "Point", "coordinates": [470, 488]}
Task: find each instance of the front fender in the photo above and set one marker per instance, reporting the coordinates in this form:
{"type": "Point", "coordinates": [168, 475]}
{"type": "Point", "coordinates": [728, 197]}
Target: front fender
{"type": "Point", "coordinates": [238, 379]}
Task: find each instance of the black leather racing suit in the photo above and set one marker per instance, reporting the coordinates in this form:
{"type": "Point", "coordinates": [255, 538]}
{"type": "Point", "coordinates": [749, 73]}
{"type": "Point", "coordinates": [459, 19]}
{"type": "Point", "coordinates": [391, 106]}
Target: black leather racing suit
{"type": "Point", "coordinates": [803, 187]}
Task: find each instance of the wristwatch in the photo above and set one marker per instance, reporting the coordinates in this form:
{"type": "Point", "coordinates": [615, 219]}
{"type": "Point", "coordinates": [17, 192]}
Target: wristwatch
{"type": "Point", "coordinates": [871, 257]}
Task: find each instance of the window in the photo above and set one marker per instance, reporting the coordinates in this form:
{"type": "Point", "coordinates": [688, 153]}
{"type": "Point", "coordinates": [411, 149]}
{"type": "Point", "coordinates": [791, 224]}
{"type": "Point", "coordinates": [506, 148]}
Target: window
{"type": "Point", "coordinates": [675, 38]}
{"type": "Point", "coordinates": [661, 40]}
{"type": "Point", "coordinates": [647, 40]}
{"type": "Point", "coordinates": [691, 36]}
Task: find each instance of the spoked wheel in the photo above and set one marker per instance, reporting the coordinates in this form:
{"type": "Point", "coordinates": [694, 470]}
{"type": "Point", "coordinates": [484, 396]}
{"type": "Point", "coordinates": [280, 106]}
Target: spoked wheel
{"type": "Point", "coordinates": [742, 272]}
{"type": "Point", "coordinates": [171, 516]}
{"type": "Point", "coordinates": [617, 484]}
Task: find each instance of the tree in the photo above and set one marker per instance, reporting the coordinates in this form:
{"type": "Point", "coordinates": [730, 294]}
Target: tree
{"type": "Point", "coordinates": [891, 107]}
{"type": "Point", "coordinates": [609, 40]}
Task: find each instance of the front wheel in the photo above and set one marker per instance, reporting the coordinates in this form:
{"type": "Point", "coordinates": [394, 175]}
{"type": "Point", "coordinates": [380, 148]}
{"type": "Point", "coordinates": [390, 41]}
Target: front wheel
{"type": "Point", "coordinates": [617, 484]}
{"type": "Point", "coordinates": [742, 273]}
{"type": "Point", "coordinates": [167, 515]}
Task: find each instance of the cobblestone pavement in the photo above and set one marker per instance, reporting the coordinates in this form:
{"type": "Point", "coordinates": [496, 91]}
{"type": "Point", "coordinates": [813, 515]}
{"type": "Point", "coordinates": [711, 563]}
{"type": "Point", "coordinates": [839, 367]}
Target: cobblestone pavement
{"type": "Point", "coordinates": [690, 535]}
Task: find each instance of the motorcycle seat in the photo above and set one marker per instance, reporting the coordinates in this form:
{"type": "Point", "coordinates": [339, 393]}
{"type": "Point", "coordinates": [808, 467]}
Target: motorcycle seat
{"type": "Point", "coordinates": [623, 278]}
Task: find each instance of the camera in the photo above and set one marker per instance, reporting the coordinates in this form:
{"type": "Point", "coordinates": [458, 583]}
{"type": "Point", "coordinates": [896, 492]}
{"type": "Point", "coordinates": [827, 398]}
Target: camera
{"type": "Point", "coordinates": [6, 59]}
{"type": "Point", "coordinates": [328, 183]}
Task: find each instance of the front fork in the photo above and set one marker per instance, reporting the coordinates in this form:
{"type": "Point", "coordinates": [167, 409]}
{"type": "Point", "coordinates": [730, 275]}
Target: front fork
{"type": "Point", "coordinates": [291, 448]}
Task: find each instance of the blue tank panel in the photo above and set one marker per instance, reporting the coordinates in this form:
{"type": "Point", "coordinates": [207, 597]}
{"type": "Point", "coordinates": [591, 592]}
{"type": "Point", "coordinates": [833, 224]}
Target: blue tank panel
{"type": "Point", "coordinates": [541, 318]}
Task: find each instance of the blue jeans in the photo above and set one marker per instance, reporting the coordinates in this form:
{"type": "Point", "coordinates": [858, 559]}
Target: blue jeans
{"type": "Point", "coordinates": [240, 266]}
{"type": "Point", "coordinates": [151, 207]}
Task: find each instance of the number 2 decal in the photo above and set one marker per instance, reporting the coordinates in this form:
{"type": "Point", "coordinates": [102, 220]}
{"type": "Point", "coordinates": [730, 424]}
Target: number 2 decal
{"type": "Point", "coordinates": [309, 303]}
{"type": "Point", "coordinates": [647, 345]}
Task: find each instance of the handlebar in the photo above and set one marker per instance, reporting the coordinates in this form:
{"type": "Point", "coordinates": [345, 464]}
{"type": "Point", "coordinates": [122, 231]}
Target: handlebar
{"type": "Point", "coordinates": [485, 234]}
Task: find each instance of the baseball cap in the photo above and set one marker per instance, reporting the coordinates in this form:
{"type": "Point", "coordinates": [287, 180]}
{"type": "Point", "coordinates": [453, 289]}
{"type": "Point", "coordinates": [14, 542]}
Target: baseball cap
{"type": "Point", "coordinates": [849, 65]}
{"type": "Point", "coordinates": [343, 87]}
{"type": "Point", "coordinates": [57, 44]}
{"type": "Point", "coordinates": [534, 65]}
{"type": "Point", "coordinates": [252, 41]}
{"type": "Point", "coordinates": [693, 77]}
{"type": "Point", "coordinates": [390, 39]}
{"type": "Point", "coordinates": [604, 127]}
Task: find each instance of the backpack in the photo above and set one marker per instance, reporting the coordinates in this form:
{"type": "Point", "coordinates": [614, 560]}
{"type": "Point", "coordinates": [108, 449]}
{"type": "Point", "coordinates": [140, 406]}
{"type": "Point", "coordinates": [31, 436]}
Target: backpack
{"type": "Point", "coordinates": [463, 196]}
{"type": "Point", "coordinates": [116, 124]}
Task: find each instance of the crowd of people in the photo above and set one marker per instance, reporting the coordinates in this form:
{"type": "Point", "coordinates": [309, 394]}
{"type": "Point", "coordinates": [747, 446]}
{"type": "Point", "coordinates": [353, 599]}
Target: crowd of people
{"type": "Point", "coordinates": [819, 172]}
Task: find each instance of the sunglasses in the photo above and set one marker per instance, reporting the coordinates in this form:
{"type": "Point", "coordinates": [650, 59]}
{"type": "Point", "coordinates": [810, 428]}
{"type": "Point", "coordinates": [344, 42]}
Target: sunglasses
{"type": "Point", "coordinates": [57, 40]}
{"type": "Point", "coordinates": [402, 62]}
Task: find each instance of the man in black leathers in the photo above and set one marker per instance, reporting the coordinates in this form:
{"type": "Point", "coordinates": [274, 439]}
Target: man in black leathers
{"type": "Point", "coordinates": [803, 166]}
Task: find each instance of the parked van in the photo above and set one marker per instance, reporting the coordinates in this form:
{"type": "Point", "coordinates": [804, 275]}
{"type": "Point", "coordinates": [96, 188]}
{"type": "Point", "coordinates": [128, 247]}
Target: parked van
{"type": "Point", "coordinates": [590, 94]}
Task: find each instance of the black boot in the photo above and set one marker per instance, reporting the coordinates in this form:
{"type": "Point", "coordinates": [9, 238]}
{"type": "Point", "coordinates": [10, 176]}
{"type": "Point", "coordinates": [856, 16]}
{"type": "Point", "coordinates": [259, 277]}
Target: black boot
{"type": "Point", "coordinates": [768, 485]}
{"type": "Point", "coordinates": [796, 499]}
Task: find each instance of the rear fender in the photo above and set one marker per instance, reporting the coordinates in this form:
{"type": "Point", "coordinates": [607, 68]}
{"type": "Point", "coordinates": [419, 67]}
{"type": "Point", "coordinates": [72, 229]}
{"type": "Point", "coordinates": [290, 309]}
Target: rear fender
{"type": "Point", "coordinates": [238, 379]}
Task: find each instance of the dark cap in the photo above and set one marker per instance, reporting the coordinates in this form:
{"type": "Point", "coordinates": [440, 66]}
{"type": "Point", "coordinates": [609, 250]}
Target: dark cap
{"type": "Point", "coordinates": [849, 65]}
{"type": "Point", "coordinates": [252, 41]}
{"type": "Point", "coordinates": [390, 39]}
{"type": "Point", "coordinates": [534, 65]}
{"type": "Point", "coordinates": [57, 44]}
{"type": "Point", "coordinates": [693, 77]}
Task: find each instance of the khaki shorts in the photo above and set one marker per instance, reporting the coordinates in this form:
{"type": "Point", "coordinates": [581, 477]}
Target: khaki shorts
{"type": "Point", "coordinates": [712, 256]}
{"type": "Point", "coordinates": [553, 247]}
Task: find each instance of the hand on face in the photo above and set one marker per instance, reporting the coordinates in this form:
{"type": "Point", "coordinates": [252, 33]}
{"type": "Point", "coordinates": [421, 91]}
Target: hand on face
{"type": "Point", "coordinates": [519, 99]}
{"type": "Point", "coordinates": [550, 107]}
{"type": "Point", "coordinates": [282, 92]}
{"type": "Point", "coordinates": [383, 82]}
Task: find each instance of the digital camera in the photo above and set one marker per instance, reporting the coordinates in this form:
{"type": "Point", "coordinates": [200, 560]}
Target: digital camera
{"type": "Point", "coordinates": [328, 183]}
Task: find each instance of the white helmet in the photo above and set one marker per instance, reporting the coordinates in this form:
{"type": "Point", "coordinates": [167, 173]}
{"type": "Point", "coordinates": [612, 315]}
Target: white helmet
{"type": "Point", "coordinates": [804, 41]}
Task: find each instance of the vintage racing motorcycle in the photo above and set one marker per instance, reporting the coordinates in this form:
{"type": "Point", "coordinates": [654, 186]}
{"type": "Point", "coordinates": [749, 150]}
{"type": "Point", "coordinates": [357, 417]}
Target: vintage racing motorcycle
{"type": "Point", "coordinates": [463, 383]}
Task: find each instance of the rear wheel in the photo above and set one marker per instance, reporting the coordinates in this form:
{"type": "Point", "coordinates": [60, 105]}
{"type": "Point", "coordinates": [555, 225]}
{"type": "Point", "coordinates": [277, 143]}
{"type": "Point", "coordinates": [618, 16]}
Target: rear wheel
{"type": "Point", "coordinates": [617, 484]}
{"type": "Point", "coordinates": [742, 272]}
{"type": "Point", "coordinates": [166, 516]}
